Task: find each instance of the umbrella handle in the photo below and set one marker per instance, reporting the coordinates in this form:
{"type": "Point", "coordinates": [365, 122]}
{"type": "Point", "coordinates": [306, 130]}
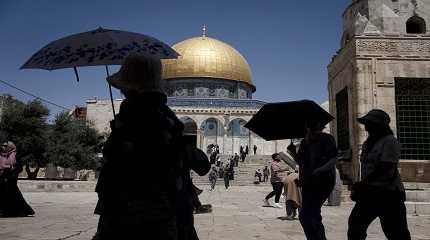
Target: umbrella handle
{"type": "Point", "coordinates": [110, 92]}
{"type": "Point", "coordinates": [76, 73]}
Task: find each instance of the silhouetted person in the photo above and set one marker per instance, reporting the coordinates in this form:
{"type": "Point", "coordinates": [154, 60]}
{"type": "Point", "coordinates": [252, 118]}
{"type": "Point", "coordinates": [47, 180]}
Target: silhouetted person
{"type": "Point", "coordinates": [146, 134]}
{"type": "Point", "coordinates": [246, 150]}
{"type": "Point", "coordinates": [213, 176]}
{"type": "Point", "coordinates": [265, 174]}
{"type": "Point", "coordinates": [213, 157]}
{"type": "Point", "coordinates": [232, 165]}
{"type": "Point", "coordinates": [317, 160]}
{"type": "Point", "coordinates": [227, 175]}
{"type": "Point", "coordinates": [243, 156]}
{"type": "Point", "coordinates": [380, 192]}
{"type": "Point", "coordinates": [236, 159]}
{"type": "Point", "coordinates": [12, 203]}
{"type": "Point", "coordinates": [255, 149]}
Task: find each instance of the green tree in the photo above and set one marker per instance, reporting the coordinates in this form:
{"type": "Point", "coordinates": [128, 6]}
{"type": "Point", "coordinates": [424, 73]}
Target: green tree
{"type": "Point", "coordinates": [26, 126]}
{"type": "Point", "coordinates": [72, 143]}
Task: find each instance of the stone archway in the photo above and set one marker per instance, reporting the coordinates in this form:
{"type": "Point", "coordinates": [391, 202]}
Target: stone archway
{"type": "Point", "coordinates": [212, 132]}
{"type": "Point", "coordinates": [237, 135]}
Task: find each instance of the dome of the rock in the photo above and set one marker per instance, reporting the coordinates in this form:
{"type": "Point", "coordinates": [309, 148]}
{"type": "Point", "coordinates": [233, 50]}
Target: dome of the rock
{"type": "Point", "coordinates": [207, 58]}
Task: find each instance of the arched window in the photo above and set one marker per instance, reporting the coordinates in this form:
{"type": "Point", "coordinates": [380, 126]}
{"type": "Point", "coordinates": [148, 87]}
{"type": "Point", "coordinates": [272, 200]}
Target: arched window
{"type": "Point", "coordinates": [416, 25]}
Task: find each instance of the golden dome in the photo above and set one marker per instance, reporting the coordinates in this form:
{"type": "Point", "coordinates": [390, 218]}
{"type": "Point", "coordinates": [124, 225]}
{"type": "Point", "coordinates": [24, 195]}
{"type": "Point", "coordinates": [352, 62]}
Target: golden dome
{"type": "Point", "coordinates": [204, 57]}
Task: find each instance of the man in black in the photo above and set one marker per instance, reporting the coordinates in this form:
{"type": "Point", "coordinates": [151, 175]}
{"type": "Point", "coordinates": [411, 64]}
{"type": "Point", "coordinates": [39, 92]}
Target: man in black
{"type": "Point", "coordinates": [236, 160]}
{"type": "Point", "coordinates": [317, 160]}
{"type": "Point", "coordinates": [380, 193]}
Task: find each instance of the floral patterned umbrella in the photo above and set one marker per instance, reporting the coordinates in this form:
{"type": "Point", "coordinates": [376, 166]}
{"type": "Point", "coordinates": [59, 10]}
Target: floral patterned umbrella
{"type": "Point", "coordinates": [97, 48]}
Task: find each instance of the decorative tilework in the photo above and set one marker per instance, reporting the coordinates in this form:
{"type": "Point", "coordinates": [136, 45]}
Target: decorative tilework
{"type": "Point", "coordinates": [215, 103]}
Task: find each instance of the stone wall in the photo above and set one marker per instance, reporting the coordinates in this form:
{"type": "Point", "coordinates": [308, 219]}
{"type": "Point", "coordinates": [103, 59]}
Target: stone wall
{"type": "Point", "coordinates": [368, 67]}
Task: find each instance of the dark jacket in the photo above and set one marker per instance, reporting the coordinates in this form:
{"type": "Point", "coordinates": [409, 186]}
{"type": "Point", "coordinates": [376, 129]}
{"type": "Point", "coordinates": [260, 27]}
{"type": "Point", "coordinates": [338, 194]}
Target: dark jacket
{"type": "Point", "coordinates": [314, 153]}
{"type": "Point", "coordinates": [148, 162]}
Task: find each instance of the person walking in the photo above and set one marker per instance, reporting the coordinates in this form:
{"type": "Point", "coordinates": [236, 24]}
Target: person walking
{"type": "Point", "coordinates": [12, 203]}
{"type": "Point", "coordinates": [242, 156]}
{"type": "Point", "coordinates": [129, 206]}
{"type": "Point", "coordinates": [213, 176]}
{"type": "Point", "coordinates": [265, 174]}
{"type": "Point", "coordinates": [293, 195]}
{"type": "Point", "coordinates": [246, 150]}
{"type": "Point", "coordinates": [232, 165]}
{"type": "Point", "coordinates": [317, 160]}
{"type": "Point", "coordinates": [276, 181]}
{"type": "Point", "coordinates": [236, 159]}
{"type": "Point", "coordinates": [380, 192]}
{"type": "Point", "coordinates": [255, 149]}
{"type": "Point", "coordinates": [227, 175]}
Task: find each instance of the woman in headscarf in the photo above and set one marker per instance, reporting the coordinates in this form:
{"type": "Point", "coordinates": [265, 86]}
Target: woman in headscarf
{"type": "Point", "coordinates": [380, 192]}
{"type": "Point", "coordinates": [12, 203]}
{"type": "Point", "coordinates": [293, 195]}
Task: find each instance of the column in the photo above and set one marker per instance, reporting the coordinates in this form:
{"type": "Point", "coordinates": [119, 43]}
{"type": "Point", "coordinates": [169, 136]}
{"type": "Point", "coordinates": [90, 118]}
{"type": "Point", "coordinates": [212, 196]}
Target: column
{"type": "Point", "coordinates": [199, 138]}
{"type": "Point", "coordinates": [224, 139]}
{"type": "Point", "coordinates": [250, 146]}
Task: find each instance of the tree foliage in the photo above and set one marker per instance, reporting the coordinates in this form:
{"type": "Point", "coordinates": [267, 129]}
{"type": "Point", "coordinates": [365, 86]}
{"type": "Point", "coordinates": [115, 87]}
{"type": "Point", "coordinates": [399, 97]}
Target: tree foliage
{"type": "Point", "coordinates": [26, 126]}
{"type": "Point", "coordinates": [69, 142]}
{"type": "Point", "coordinates": [73, 143]}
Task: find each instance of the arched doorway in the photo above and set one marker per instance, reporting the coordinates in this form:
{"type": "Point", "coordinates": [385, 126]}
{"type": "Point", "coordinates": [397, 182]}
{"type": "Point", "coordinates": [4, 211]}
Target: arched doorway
{"type": "Point", "coordinates": [212, 133]}
{"type": "Point", "coordinates": [238, 135]}
{"type": "Point", "coordinates": [190, 130]}
{"type": "Point", "coordinates": [416, 25]}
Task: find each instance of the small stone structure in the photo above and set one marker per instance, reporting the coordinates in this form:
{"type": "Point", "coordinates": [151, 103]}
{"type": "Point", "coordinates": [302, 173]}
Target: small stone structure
{"type": "Point", "coordinates": [384, 62]}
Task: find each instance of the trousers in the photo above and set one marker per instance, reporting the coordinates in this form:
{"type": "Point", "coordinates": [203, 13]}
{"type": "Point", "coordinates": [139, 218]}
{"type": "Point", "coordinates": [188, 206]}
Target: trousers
{"type": "Point", "coordinates": [310, 213]}
{"type": "Point", "coordinates": [389, 208]}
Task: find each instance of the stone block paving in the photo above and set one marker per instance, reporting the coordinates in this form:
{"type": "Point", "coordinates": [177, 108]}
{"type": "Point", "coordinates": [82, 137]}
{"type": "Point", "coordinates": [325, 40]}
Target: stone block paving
{"type": "Point", "coordinates": [238, 214]}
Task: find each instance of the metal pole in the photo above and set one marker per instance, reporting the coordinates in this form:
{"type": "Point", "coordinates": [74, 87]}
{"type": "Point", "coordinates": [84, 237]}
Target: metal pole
{"type": "Point", "coordinates": [110, 92]}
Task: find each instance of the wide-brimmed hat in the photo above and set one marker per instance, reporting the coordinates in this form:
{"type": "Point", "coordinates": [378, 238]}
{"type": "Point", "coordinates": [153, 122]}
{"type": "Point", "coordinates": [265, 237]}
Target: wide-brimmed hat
{"type": "Point", "coordinates": [375, 116]}
{"type": "Point", "coordinates": [138, 73]}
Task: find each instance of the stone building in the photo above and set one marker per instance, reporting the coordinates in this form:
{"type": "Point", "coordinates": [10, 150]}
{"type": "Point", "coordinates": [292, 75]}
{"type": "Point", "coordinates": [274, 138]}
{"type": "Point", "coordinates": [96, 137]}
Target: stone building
{"type": "Point", "coordinates": [384, 62]}
{"type": "Point", "coordinates": [210, 89]}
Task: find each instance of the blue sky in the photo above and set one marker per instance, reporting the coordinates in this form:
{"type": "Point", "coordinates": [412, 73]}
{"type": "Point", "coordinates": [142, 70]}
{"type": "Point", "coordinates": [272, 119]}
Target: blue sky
{"type": "Point", "coordinates": [288, 44]}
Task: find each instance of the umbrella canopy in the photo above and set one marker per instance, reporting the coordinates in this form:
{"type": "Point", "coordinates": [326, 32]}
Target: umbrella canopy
{"type": "Point", "coordinates": [287, 120]}
{"type": "Point", "coordinates": [97, 47]}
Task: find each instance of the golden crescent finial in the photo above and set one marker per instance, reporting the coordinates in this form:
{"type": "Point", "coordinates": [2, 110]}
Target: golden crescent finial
{"type": "Point", "coordinates": [204, 30]}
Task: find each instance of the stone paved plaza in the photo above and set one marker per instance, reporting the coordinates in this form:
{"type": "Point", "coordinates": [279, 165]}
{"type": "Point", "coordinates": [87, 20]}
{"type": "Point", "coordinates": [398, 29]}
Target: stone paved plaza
{"type": "Point", "coordinates": [238, 214]}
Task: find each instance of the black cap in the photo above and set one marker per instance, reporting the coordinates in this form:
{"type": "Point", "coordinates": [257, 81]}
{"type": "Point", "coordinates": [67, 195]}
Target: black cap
{"type": "Point", "coordinates": [376, 116]}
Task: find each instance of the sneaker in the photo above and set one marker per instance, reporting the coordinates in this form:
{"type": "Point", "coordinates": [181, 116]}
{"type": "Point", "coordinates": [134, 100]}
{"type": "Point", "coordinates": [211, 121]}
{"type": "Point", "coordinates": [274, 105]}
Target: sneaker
{"type": "Point", "coordinates": [277, 205]}
{"type": "Point", "coordinates": [266, 202]}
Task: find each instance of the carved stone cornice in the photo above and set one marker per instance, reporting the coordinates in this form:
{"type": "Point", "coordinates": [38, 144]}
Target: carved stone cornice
{"type": "Point", "coordinates": [396, 47]}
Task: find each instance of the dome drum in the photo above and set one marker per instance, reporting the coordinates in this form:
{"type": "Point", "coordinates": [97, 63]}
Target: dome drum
{"type": "Point", "coordinates": [208, 88]}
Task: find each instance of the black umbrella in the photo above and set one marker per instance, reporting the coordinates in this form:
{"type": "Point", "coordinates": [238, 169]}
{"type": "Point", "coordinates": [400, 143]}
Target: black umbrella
{"type": "Point", "coordinates": [287, 120]}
